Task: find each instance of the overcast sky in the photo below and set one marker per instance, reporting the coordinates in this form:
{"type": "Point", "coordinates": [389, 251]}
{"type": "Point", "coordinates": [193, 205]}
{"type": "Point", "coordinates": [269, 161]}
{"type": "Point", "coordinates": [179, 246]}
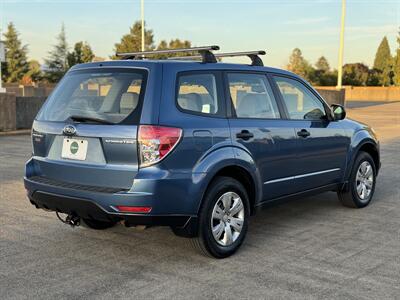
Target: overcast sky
{"type": "Point", "coordinates": [276, 26]}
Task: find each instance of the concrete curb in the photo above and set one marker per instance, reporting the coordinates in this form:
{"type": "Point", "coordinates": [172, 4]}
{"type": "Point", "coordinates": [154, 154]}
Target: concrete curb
{"type": "Point", "coordinates": [15, 132]}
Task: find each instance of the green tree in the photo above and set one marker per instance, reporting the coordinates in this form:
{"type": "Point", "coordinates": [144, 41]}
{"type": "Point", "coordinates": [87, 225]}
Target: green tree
{"type": "Point", "coordinates": [56, 63]}
{"type": "Point", "coordinates": [173, 44]}
{"type": "Point", "coordinates": [132, 41]}
{"type": "Point", "coordinates": [383, 62]}
{"type": "Point", "coordinates": [396, 63]}
{"type": "Point", "coordinates": [16, 65]}
{"type": "Point", "coordinates": [177, 43]}
{"type": "Point", "coordinates": [299, 65]}
{"type": "Point", "coordinates": [323, 75]}
{"type": "Point", "coordinates": [317, 77]}
{"type": "Point", "coordinates": [331, 78]}
{"type": "Point", "coordinates": [82, 53]}
{"type": "Point", "coordinates": [35, 73]}
{"type": "Point", "coordinates": [355, 74]}
{"type": "Point", "coordinates": [374, 77]}
{"type": "Point", "coordinates": [322, 65]}
{"type": "Point", "coordinates": [162, 45]}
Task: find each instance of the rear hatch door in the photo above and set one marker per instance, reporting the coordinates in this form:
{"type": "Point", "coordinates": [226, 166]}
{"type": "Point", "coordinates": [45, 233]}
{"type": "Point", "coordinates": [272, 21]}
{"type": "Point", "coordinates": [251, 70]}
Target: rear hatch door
{"type": "Point", "coordinates": [86, 133]}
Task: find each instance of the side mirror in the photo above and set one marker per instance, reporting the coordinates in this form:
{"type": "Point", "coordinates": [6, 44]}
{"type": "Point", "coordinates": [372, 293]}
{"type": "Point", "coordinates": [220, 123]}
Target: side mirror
{"type": "Point", "coordinates": [339, 112]}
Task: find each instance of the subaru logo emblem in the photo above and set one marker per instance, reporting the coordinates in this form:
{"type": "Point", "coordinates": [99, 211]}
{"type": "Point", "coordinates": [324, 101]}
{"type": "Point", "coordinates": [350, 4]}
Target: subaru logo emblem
{"type": "Point", "coordinates": [69, 130]}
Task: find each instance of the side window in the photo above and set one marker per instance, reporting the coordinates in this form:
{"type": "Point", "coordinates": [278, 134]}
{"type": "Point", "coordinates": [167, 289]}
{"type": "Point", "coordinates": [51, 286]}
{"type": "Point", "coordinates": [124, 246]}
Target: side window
{"type": "Point", "coordinates": [252, 96]}
{"type": "Point", "coordinates": [300, 102]}
{"type": "Point", "coordinates": [198, 93]}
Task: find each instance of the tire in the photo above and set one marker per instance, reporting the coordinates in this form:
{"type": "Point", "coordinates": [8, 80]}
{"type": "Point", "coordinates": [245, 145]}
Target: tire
{"type": "Point", "coordinates": [355, 198]}
{"type": "Point", "coordinates": [232, 222]}
{"type": "Point", "coordinates": [98, 225]}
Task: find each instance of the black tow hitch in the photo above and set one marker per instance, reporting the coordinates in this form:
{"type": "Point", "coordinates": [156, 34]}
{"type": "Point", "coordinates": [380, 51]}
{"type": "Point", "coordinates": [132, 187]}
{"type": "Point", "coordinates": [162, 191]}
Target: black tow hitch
{"type": "Point", "coordinates": [71, 219]}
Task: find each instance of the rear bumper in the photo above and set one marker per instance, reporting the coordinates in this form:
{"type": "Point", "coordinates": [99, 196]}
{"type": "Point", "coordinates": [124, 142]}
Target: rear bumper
{"type": "Point", "coordinates": [184, 225]}
{"type": "Point", "coordinates": [86, 208]}
{"type": "Point", "coordinates": [173, 197]}
{"type": "Point", "coordinates": [167, 193]}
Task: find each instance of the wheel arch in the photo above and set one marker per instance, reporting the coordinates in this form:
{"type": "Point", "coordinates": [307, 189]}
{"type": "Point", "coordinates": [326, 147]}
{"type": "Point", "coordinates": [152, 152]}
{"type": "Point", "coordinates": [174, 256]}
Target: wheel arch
{"type": "Point", "coordinates": [240, 167]}
{"type": "Point", "coordinates": [372, 150]}
{"type": "Point", "coordinates": [368, 145]}
{"type": "Point", "coordinates": [244, 177]}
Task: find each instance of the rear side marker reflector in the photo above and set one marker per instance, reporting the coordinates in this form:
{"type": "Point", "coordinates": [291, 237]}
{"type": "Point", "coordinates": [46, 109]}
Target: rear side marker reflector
{"type": "Point", "coordinates": [134, 209]}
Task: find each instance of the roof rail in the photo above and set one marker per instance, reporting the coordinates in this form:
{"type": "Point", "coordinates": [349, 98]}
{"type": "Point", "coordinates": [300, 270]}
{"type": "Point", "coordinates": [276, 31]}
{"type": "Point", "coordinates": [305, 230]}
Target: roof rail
{"type": "Point", "coordinates": [205, 53]}
{"type": "Point", "coordinates": [253, 55]}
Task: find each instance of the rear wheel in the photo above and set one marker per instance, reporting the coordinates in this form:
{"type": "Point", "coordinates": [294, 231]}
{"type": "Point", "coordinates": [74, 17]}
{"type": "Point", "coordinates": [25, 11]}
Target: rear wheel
{"type": "Point", "coordinates": [361, 182]}
{"type": "Point", "coordinates": [98, 225]}
{"type": "Point", "coordinates": [223, 218]}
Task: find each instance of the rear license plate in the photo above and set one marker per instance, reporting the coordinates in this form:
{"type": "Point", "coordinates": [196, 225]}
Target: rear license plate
{"type": "Point", "coordinates": [74, 149]}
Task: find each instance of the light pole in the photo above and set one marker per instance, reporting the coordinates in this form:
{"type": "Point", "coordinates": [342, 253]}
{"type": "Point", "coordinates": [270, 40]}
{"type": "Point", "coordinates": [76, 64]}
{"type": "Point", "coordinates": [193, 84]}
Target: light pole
{"type": "Point", "coordinates": [2, 59]}
{"type": "Point", "coordinates": [341, 47]}
{"type": "Point", "coordinates": [142, 17]}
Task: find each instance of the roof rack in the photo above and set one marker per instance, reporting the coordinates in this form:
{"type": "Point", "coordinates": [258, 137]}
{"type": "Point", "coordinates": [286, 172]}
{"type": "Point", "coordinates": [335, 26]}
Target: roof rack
{"type": "Point", "coordinates": [253, 55]}
{"type": "Point", "coordinates": [205, 53]}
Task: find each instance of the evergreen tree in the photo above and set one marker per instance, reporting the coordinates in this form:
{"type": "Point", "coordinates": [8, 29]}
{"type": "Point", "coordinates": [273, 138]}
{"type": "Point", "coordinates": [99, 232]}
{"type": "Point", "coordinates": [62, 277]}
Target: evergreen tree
{"type": "Point", "coordinates": [396, 63]}
{"type": "Point", "coordinates": [82, 53]}
{"type": "Point", "coordinates": [16, 65]}
{"type": "Point", "coordinates": [132, 42]}
{"type": "Point", "coordinates": [383, 62]}
{"type": "Point", "coordinates": [56, 63]}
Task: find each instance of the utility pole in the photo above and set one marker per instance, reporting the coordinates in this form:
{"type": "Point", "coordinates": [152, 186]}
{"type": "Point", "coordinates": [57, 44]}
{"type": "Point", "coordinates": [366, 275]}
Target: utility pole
{"type": "Point", "coordinates": [2, 49]}
{"type": "Point", "coordinates": [2, 59]}
{"type": "Point", "coordinates": [341, 47]}
{"type": "Point", "coordinates": [142, 17]}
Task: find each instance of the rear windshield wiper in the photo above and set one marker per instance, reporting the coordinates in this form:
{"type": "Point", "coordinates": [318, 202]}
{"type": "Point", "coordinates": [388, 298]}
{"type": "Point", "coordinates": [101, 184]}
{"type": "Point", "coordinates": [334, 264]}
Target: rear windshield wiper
{"type": "Point", "coordinates": [90, 119]}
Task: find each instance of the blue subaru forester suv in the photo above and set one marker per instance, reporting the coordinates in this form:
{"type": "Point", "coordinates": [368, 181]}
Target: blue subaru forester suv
{"type": "Point", "coordinates": [195, 145]}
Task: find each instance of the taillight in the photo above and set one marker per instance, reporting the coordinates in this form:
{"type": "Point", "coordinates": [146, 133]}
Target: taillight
{"type": "Point", "coordinates": [155, 142]}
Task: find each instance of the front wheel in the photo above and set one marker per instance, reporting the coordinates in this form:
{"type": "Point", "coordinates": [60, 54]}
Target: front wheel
{"type": "Point", "coordinates": [361, 183]}
{"type": "Point", "coordinates": [223, 218]}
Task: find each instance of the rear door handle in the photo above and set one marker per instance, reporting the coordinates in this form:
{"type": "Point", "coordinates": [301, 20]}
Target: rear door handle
{"type": "Point", "coordinates": [244, 135]}
{"type": "Point", "coordinates": [303, 133]}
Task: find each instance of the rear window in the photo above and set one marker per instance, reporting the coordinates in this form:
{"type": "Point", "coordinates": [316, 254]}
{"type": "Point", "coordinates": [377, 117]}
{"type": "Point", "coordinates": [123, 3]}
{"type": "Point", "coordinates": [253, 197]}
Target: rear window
{"type": "Point", "coordinates": [110, 95]}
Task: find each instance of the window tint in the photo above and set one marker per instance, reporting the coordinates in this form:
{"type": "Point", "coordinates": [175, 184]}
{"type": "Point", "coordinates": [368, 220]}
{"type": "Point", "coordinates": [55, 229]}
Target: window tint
{"type": "Point", "coordinates": [299, 101]}
{"type": "Point", "coordinates": [198, 93]}
{"type": "Point", "coordinates": [252, 96]}
{"type": "Point", "coordinates": [110, 95]}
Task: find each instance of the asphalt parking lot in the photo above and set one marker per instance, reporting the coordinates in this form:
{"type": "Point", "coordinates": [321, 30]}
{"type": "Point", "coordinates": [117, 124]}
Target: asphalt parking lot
{"type": "Point", "coordinates": [310, 248]}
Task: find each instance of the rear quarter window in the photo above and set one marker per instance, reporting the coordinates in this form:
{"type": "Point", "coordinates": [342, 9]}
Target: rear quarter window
{"type": "Point", "coordinates": [198, 93]}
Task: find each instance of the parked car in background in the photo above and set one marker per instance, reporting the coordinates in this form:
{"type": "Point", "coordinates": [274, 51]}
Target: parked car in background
{"type": "Point", "coordinates": [198, 146]}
